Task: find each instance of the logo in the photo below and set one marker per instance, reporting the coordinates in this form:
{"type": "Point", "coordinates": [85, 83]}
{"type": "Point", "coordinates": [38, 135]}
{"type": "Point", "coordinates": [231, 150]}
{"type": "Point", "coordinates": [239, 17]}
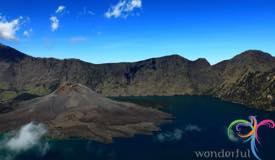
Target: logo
{"type": "Point", "coordinates": [248, 131]}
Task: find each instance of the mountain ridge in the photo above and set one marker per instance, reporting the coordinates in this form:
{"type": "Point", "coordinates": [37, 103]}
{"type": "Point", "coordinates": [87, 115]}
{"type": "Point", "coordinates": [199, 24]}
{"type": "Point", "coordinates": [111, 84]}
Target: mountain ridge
{"type": "Point", "coordinates": [246, 53]}
{"type": "Point", "coordinates": [163, 76]}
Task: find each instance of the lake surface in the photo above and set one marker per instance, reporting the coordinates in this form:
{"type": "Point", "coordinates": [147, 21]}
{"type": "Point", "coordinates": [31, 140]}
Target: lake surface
{"type": "Point", "coordinates": [200, 124]}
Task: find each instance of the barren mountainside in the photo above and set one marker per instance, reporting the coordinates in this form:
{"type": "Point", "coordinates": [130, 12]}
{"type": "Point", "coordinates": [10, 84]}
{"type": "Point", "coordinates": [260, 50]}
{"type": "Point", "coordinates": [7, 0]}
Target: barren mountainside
{"type": "Point", "coordinates": [247, 78]}
{"type": "Point", "coordinates": [74, 110]}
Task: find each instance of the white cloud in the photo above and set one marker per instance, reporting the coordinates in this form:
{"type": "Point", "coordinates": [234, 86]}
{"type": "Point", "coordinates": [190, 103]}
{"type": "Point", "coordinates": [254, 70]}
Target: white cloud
{"type": "Point", "coordinates": [60, 9]}
{"type": "Point", "coordinates": [27, 137]}
{"type": "Point", "coordinates": [170, 136]}
{"type": "Point", "coordinates": [115, 11]}
{"type": "Point", "coordinates": [78, 39]}
{"type": "Point", "coordinates": [27, 33]}
{"type": "Point", "coordinates": [8, 29]}
{"type": "Point", "coordinates": [134, 4]}
{"type": "Point", "coordinates": [192, 128]}
{"type": "Point", "coordinates": [176, 134]}
{"type": "Point", "coordinates": [54, 23]}
{"type": "Point", "coordinates": [55, 17]}
{"type": "Point", "coordinates": [123, 8]}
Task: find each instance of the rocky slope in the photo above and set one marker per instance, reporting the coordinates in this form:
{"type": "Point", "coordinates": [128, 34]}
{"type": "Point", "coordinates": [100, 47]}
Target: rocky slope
{"type": "Point", "coordinates": [74, 110]}
{"type": "Point", "coordinates": [253, 88]}
{"type": "Point", "coordinates": [170, 75]}
{"type": "Point", "coordinates": [247, 79]}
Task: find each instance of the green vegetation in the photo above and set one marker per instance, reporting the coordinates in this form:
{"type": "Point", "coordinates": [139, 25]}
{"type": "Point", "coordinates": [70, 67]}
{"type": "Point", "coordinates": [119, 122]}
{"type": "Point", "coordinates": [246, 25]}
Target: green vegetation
{"type": "Point", "coordinates": [40, 90]}
{"type": "Point", "coordinates": [7, 96]}
{"type": "Point", "coordinates": [4, 85]}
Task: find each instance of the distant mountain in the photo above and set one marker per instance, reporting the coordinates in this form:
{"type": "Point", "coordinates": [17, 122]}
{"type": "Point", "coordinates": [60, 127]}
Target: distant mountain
{"type": "Point", "coordinates": [170, 75]}
{"type": "Point", "coordinates": [74, 110]}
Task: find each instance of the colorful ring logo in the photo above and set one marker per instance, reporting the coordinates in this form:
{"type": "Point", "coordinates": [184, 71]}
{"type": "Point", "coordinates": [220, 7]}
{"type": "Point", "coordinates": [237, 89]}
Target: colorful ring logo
{"type": "Point", "coordinates": [252, 135]}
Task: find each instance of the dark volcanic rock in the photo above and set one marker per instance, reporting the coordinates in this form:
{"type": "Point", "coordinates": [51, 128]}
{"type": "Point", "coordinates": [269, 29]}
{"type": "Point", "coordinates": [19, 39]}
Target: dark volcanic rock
{"type": "Point", "coordinates": [74, 110]}
{"type": "Point", "coordinates": [169, 75]}
{"type": "Point", "coordinates": [253, 88]}
{"type": "Point", "coordinates": [243, 79]}
{"type": "Point", "coordinates": [9, 54]}
{"type": "Point", "coordinates": [4, 108]}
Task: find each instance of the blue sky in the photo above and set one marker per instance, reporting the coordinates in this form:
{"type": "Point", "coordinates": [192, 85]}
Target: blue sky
{"type": "Point", "coordinates": [101, 31]}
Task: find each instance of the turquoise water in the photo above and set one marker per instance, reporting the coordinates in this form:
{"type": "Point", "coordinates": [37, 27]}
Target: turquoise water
{"type": "Point", "coordinates": [200, 124]}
